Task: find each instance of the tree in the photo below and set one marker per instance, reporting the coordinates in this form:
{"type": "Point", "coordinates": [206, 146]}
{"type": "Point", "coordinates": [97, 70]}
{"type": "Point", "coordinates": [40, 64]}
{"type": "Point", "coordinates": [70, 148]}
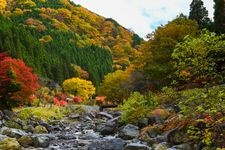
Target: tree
{"type": "Point", "coordinates": [3, 4]}
{"type": "Point", "coordinates": [199, 13]}
{"type": "Point", "coordinates": [200, 59]}
{"type": "Point", "coordinates": [219, 16]}
{"type": "Point", "coordinates": [158, 67]}
{"type": "Point", "coordinates": [115, 86]}
{"type": "Point", "coordinates": [79, 87]}
{"type": "Point", "coordinates": [17, 82]}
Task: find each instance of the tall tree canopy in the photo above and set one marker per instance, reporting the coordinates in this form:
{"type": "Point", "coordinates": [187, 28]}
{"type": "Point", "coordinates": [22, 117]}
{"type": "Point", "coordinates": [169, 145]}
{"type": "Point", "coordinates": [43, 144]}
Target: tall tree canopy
{"type": "Point", "coordinates": [219, 16]}
{"type": "Point", "coordinates": [157, 51]}
{"type": "Point", "coordinates": [199, 13]}
{"type": "Point", "coordinates": [200, 59]}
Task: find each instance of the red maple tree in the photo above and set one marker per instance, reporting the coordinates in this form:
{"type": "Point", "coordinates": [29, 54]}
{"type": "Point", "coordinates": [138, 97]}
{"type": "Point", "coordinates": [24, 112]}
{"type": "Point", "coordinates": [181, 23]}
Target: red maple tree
{"type": "Point", "coordinates": [17, 81]}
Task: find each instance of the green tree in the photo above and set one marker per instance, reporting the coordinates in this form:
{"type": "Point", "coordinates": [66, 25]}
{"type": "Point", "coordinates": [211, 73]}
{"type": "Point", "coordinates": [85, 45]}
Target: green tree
{"type": "Point", "coordinates": [158, 67]}
{"type": "Point", "coordinates": [199, 13]}
{"type": "Point", "coordinates": [200, 59]}
{"type": "Point", "coordinates": [219, 16]}
{"type": "Point", "coordinates": [79, 87]}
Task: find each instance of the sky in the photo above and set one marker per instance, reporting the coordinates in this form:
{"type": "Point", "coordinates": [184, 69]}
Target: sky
{"type": "Point", "coordinates": [141, 16]}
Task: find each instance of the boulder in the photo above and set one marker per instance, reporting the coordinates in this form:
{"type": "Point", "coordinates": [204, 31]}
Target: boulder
{"type": "Point", "coordinates": [108, 128]}
{"type": "Point", "coordinates": [161, 146]}
{"type": "Point", "coordinates": [13, 133]}
{"type": "Point", "coordinates": [40, 129]}
{"type": "Point", "coordinates": [104, 114]}
{"type": "Point", "coordinates": [9, 144]}
{"type": "Point", "coordinates": [186, 146]}
{"type": "Point", "coordinates": [41, 141]}
{"type": "Point", "coordinates": [25, 141]}
{"type": "Point", "coordinates": [158, 116]}
{"type": "Point", "coordinates": [129, 132]}
{"type": "Point", "coordinates": [3, 137]}
{"type": "Point", "coordinates": [136, 146]}
{"type": "Point", "coordinates": [108, 144]}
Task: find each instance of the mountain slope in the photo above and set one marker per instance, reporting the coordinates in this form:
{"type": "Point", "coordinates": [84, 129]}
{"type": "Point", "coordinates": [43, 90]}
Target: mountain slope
{"type": "Point", "coordinates": [51, 36]}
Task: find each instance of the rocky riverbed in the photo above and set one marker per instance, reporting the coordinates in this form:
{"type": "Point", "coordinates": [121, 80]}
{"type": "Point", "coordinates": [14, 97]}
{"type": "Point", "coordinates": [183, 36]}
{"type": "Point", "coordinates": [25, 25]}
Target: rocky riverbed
{"type": "Point", "coordinates": [87, 130]}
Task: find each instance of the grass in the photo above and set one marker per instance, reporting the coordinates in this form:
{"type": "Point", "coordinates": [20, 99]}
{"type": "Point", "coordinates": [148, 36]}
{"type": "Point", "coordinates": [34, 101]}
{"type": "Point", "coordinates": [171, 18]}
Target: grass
{"type": "Point", "coordinates": [43, 113]}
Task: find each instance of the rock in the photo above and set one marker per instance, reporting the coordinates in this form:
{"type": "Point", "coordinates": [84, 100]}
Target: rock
{"type": "Point", "coordinates": [129, 132]}
{"type": "Point", "coordinates": [136, 146]}
{"type": "Point", "coordinates": [161, 146]}
{"type": "Point", "coordinates": [46, 125]}
{"type": "Point", "coordinates": [3, 137]}
{"type": "Point", "coordinates": [41, 141]}
{"type": "Point", "coordinates": [108, 144]}
{"type": "Point", "coordinates": [8, 114]}
{"type": "Point", "coordinates": [89, 134]}
{"type": "Point", "coordinates": [185, 146]}
{"type": "Point", "coordinates": [143, 122]}
{"type": "Point", "coordinates": [176, 136]}
{"type": "Point", "coordinates": [13, 133]}
{"type": "Point", "coordinates": [28, 128]}
{"type": "Point", "coordinates": [104, 114]}
{"type": "Point", "coordinates": [158, 115]}
{"type": "Point", "coordinates": [74, 116]}
{"type": "Point", "coordinates": [25, 141]}
{"type": "Point", "coordinates": [108, 128]}
{"type": "Point", "coordinates": [40, 129]}
{"type": "Point", "coordinates": [9, 144]}
{"type": "Point", "coordinates": [151, 131]}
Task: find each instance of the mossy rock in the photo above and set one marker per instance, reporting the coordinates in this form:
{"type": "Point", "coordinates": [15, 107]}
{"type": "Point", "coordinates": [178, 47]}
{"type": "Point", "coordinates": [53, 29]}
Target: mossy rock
{"type": "Point", "coordinates": [40, 129]}
{"type": "Point", "coordinates": [25, 141]}
{"type": "Point", "coordinates": [12, 124]}
{"type": "Point", "coordinates": [9, 144]}
{"type": "Point", "coordinates": [159, 112]}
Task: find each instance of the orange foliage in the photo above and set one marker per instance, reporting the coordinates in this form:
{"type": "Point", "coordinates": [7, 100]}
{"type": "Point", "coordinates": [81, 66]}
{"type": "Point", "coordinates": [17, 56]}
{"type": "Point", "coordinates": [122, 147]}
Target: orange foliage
{"type": "Point", "coordinates": [17, 81]}
{"type": "Point", "coordinates": [100, 100]}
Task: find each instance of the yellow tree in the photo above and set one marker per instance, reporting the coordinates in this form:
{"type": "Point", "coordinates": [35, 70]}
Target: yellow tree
{"type": "Point", "coordinates": [2, 5]}
{"type": "Point", "coordinates": [79, 87]}
{"type": "Point", "coordinates": [115, 86]}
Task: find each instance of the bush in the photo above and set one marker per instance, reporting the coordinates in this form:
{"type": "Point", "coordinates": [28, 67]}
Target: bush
{"type": "Point", "coordinates": [168, 96]}
{"type": "Point", "coordinates": [136, 106]}
{"type": "Point", "coordinates": [17, 82]}
{"type": "Point", "coordinates": [203, 101]}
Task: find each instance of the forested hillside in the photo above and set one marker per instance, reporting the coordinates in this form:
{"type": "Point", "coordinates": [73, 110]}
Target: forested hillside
{"type": "Point", "coordinates": [56, 37]}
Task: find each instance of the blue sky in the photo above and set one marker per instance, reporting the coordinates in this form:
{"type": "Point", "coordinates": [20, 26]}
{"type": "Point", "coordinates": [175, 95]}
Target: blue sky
{"type": "Point", "coordinates": [141, 16]}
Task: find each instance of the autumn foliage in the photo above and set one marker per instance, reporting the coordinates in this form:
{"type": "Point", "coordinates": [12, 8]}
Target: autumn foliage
{"type": "Point", "coordinates": [17, 82]}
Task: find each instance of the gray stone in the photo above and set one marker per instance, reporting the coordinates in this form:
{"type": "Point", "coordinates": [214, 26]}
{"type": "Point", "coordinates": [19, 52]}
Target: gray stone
{"type": "Point", "coordinates": [14, 133]}
{"type": "Point", "coordinates": [104, 114]}
{"type": "Point", "coordinates": [136, 146]}
{"type": "Point", "coordinates": [129, 132]}
{"type": "Point", "coordinates": [108, 128]}
{"type": "Point", "coordinates": [3, 137]}
{"type": "Point", "coordinates": [161, 146]}
{"type": "Point", "coordinates": [108, 144]}
{"type": "Point", "coordinates": [41, 141]}
{"type": "Point", "coordinates": [185, 146]}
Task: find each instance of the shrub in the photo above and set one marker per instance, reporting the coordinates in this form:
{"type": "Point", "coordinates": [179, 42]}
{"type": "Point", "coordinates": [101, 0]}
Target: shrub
{"type": "Point", "coordinates": [17, 82]}
{"type": "Point", "coordinates": [79, 87]}
{"type": "Point", "coordinates": [203, 101]}
{"type": "Point", "coordinates": [136, 106]}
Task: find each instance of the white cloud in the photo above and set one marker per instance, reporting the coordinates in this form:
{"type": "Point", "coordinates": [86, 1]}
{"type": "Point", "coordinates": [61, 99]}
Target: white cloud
{"type": "Point", "coordinates": [141, 16]}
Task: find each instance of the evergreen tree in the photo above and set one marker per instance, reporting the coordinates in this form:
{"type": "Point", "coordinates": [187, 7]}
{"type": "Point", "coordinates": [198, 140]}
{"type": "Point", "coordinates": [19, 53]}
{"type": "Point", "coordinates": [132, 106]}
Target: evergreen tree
{"type": "Point", "coordinates": [219, 16]}
{"type": "Point", "coordinates": [199, 13]}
